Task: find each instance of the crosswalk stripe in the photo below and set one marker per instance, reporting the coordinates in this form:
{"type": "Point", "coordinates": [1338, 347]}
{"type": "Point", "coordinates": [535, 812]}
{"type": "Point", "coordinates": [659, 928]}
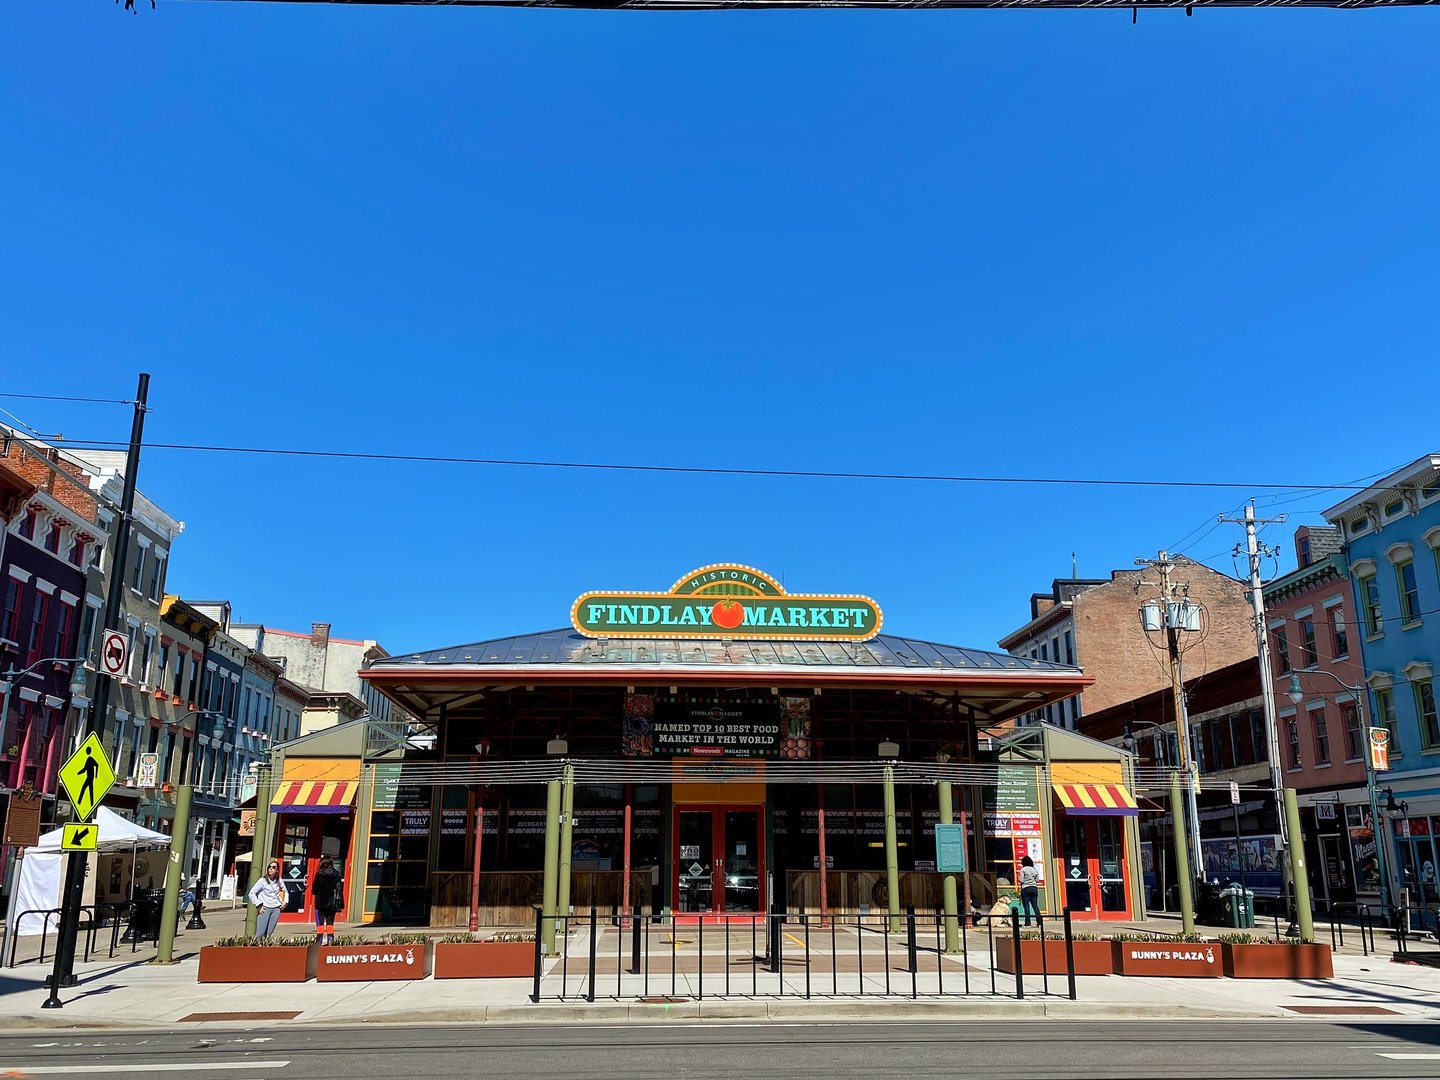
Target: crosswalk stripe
{"type": "Point", "coordinates": [162, 1066]}
{"type": "Point", "coordinates": [1412, 1057]}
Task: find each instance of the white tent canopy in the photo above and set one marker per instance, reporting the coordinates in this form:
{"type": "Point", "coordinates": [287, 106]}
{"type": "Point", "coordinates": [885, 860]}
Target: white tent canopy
{"type": "Point", "coordinates": [39, 885]}
{"type": "Point", "coordinates": [116, 833]}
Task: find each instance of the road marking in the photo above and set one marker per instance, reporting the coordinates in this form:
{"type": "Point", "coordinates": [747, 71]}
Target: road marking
{"type": "Point", "coordinates": [170, 1066]}
{"type": "Point", "coordinates": [1412, 1057]}
{"type": "Point", "coordinates": [795, 939]}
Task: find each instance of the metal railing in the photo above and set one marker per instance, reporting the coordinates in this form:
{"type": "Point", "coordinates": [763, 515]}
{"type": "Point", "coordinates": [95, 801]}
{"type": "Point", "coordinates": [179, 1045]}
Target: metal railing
{"type": "Point", "coordinates": [93, 917]}
{"type": "Point", "coordinates": [674, 957]}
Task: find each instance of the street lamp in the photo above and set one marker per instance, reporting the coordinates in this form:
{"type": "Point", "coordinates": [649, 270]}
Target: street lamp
{"type": "Point", "coordinates": [1297, 696]}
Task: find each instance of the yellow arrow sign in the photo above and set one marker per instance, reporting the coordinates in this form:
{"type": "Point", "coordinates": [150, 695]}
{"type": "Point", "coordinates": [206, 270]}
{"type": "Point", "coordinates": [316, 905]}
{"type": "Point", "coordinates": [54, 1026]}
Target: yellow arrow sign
{"type": "Point", "coordinates": [87, 776]}
{"type": "Point", "coordinates": [80, 836]}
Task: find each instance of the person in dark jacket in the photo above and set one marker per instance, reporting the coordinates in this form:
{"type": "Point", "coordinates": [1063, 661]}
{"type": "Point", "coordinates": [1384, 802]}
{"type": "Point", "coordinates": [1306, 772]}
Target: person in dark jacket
{"type": "Point", "coordinates": [327, 891]}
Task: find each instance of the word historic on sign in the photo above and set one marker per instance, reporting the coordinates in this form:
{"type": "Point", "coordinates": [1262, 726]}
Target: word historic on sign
{"type": "Point", "coordinates": [727, 600]}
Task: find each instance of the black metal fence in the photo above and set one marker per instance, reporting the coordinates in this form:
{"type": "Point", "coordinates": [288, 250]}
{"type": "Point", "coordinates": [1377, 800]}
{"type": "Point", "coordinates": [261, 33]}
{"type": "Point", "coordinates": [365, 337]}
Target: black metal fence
{"type": "Point", "coordinates": [93, 918]}
{"type": "Point", "coordinates": [675, 957]}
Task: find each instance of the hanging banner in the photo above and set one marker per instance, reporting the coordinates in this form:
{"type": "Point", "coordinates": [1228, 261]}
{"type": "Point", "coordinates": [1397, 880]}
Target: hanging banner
{"type": "Point", "coordinates": [1379, 749]}
{"type": "Point", "coordinates": [698, 725]}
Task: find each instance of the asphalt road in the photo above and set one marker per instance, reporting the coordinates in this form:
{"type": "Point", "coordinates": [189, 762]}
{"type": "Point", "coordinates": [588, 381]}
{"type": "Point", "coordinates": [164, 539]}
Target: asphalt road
{"type": "Point", "coordinates": [1174, 1050]}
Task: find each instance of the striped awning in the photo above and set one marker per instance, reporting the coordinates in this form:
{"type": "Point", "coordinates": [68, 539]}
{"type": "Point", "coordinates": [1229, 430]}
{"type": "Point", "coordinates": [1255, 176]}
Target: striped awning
{"type": "Point", "coordinates": [314, 797]}
{"type": "Point", "coordinates": [1096, 800]}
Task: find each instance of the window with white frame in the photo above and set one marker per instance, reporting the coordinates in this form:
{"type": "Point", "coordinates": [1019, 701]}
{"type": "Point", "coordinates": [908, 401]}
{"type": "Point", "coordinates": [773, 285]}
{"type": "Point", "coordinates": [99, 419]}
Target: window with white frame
{"type": "Point", "coordinates": [1425, 713]}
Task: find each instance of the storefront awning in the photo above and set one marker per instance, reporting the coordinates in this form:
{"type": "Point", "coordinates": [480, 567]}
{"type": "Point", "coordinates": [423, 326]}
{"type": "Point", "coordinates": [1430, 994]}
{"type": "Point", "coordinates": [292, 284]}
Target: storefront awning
{"type": "Point", "coordinates": [1096, 800]}
{"type": "Point", "coordinates": [314, 797]}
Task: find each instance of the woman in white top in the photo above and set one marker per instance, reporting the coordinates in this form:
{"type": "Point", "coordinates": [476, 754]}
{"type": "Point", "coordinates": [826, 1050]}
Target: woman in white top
{"type": "Point", "coordinates": [267, 894]}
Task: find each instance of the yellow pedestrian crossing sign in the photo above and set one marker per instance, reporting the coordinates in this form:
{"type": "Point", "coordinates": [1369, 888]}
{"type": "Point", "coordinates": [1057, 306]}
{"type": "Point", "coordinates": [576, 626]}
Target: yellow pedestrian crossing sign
{"type": "Point", "coordinates": [80, 836]}
{"type": "Point", "coordinates": [87, 776]}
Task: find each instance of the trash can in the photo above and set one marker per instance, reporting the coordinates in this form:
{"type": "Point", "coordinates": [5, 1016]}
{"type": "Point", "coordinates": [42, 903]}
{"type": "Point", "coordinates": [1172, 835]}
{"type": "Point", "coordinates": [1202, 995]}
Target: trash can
{"type": "Point", "coordinates": [1207, 902]}
{"type": "Point", "coordinates": [145, 917]}
{"type": "Point", "coordinates": [1237, 907]}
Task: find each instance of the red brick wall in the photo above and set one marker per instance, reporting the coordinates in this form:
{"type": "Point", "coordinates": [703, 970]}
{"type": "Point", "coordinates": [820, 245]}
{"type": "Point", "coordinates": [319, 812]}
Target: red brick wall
{"type": "Point", "coordinates": [58, 479]}
{"type": "Point", "coordinates": [1127, 662]}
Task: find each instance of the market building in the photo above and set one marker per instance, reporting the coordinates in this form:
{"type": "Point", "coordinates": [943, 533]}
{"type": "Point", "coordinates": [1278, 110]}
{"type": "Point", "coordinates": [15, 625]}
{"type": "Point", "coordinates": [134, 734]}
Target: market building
{"type": "Point", "coordinates": [730, 746]}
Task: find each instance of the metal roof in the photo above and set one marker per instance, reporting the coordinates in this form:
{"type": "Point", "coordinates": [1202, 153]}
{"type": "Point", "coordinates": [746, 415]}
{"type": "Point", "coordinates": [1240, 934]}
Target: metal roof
{"type": "Point", "coordinates": [566, 647]}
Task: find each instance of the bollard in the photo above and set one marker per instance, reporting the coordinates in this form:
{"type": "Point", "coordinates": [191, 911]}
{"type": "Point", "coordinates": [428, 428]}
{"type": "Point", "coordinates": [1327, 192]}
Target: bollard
{"type": "Point", "coordinates": [1019, 963]}
{"type": "Point", "coordinates": [912, 955]}
{"type": "Point", "coordinates": [539, 948]}
{"type": "Point", "coordinates": [860, 952]}
{"type": "Point", "coordinates": [1069, 954]}
{"type": "Point", "coordinates": [590, 997]}
{"type": "Point", "coordinates": [965, 951]}
{"type": "Point", "coordinates": [805, 921]}
{"type": "Point", "coordinates": [635, 945]}
{"type": "Point", "coordinates": [990, 935]}
{"type": "Point", "coordinates": [700, 952]}
{"type": "Point", "coordinates": [1044, 957]}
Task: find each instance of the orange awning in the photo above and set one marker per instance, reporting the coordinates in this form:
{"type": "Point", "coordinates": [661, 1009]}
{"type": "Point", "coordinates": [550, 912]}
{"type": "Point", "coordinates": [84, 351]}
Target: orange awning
{"type": "Point", "coordinates": [1096, 800]}
{"type": "Point", "coordinates": [314, 797]}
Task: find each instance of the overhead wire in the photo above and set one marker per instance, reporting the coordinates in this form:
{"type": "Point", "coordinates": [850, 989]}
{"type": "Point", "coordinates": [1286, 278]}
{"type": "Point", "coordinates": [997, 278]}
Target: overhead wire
{"type": "Point", "coordinates": [692, 470]}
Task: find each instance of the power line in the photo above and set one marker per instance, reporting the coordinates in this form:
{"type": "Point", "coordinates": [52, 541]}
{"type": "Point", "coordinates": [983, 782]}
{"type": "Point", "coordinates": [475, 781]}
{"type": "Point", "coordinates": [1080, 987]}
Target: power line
{"type": "Point", "coordinates": [695, 470]}
{"type": "Point", "coordinates": [61, 397]}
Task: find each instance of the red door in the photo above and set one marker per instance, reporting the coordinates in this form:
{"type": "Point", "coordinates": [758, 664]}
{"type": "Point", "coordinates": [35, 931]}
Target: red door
{"type": "Point", "coordinates": [1094, 867]}
{"type": "Point", "coordinates": [719, 859]}
{"type": "Point", "coordinates": [304, 839]}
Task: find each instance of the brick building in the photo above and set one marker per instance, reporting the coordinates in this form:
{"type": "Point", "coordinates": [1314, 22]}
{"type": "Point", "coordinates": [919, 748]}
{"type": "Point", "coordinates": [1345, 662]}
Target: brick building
{"type": "Point", "coordinates": [1095, 624]}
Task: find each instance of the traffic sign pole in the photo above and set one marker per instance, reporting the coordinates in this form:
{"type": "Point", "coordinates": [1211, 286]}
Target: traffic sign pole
{"type": "Point", "coordinates": [74, 894]}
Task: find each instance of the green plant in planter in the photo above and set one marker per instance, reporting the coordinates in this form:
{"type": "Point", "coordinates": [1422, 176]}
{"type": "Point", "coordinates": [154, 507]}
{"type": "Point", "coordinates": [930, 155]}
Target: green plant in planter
{"type": "Point", "coordinates": [405, 939]}
{"type": "Point", "coordinates": [350, 941]}
{"type": "Point", "coordinates": [515, 936]}
{"type": "Point", "coordinates": [240, 941]}
{"type": "Point", "coordinates": [456, 939]}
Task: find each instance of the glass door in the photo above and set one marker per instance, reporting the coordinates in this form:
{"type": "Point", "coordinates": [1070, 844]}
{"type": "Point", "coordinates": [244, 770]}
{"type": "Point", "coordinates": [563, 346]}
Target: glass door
{"type": "Point", "coordinates": [294, 863]}
{"type": "Point", "coordinates": [1110, 850]}
{"type": "Point", "coordinates": [1075, 860]}
{"type": "Point", "coordinates": [740, 891]}
{"type": "Point", "coordinates": [694, 864]}
{"type": "Point", "coordinates": [719, 861]}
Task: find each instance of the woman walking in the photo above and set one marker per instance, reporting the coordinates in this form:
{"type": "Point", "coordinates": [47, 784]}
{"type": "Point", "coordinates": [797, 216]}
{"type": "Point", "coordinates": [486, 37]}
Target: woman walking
{"type": "Point", "coordinates": [267, 894]}
{"type": "Point", "coordinates": [328, 893]}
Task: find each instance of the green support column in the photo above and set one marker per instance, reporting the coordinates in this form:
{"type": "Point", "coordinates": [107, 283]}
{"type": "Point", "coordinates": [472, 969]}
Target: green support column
{"type": "Point", "coordinates": [950, 898]}
{"type": "Point", "coordinates": [174, 871]}
{"type": "Point", "coordinates": [892, 855]}
{"type": "Point", "coordinates": [1182, 856]}
{"type": "Point", "coordinates": [567, 833]}
{"type": "Point", "coordinates": [552, 851]}
{"type": "Point", "coordinates": [1297, 869]}
{"type": "Point", "coordinates": [260, 846]}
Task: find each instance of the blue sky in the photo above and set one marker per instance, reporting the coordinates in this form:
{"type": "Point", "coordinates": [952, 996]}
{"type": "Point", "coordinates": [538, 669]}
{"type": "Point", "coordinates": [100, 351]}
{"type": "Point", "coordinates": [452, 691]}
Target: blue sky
{"type": "Point", "coordinates": [984, 243]}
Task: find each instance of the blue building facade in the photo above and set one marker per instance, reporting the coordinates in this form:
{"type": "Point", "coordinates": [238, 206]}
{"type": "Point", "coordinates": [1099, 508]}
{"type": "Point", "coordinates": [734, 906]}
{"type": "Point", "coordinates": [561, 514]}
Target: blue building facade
{"type": "Point", "coordinates": [1391, 535]}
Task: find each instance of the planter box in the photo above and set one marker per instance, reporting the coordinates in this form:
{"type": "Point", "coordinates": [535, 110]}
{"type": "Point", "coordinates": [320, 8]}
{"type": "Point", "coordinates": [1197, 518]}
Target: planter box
{"type": "Point", "coordinates": [1277, 961]}
{"type": "Point", "coordinates": [374, 963]}
{"type": "Point", "coordinates": [485, 960]}
{"type": "Point", "coordinates": [1168, 959]}
{"type": "Point", "coordinates": [1091, 957]}
{"type": "Point", "coordinates": [256, 963]}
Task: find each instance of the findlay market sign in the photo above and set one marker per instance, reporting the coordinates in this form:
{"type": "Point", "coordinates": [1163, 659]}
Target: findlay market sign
{"type": "Point", "coordinates": [727, 600]}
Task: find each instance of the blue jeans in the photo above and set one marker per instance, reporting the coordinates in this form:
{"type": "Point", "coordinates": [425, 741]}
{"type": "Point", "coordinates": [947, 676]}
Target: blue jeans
{"type": "Point", "coordinates": [1030, 902]}
{"type": "Point", "coordinates": [265, 922]}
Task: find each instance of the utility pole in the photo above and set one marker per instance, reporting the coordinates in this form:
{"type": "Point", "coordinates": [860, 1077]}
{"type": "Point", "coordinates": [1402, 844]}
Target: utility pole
{"type": "Point", "coordinates": [1254, 550]}
{"type": "Point", "coordinates": [1173, 615]}
{"type": "Point", "coordinates": [73, 896]}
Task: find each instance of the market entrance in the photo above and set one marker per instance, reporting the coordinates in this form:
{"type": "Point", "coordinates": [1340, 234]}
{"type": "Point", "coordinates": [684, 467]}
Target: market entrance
{"type": "Point", "coordinates": [1094, 865]}
{"type": "Point", "coordinates": [719, 858]}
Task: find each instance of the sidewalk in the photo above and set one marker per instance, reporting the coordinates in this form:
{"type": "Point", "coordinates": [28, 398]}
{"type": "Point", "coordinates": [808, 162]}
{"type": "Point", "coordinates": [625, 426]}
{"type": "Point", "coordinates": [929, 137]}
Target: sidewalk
{"type": "Point", "coordinates": [130, 992]}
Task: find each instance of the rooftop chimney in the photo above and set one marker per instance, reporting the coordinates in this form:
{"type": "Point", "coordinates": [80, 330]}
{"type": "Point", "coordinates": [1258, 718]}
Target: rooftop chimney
{"type": "Point", "coordinates": [320, 634]}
